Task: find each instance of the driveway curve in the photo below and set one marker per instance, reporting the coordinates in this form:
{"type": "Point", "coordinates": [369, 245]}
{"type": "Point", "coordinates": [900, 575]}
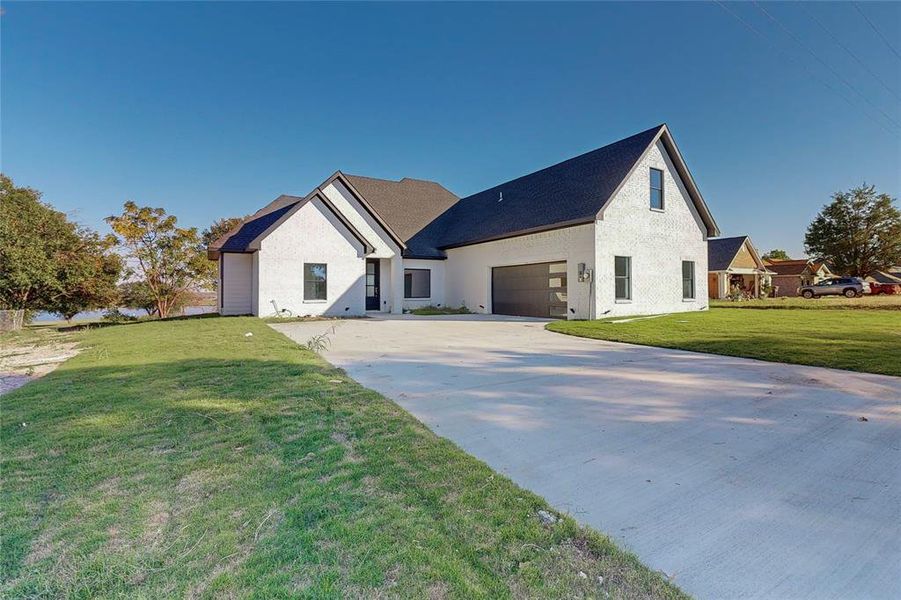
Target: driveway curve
{"type": "Point", "coordinates": [738, 478]}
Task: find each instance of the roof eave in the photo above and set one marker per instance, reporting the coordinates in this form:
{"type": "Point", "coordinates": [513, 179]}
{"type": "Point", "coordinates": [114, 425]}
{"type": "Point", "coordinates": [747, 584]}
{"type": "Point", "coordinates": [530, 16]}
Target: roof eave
{"type": "Point", "coordinates": [521, 232]}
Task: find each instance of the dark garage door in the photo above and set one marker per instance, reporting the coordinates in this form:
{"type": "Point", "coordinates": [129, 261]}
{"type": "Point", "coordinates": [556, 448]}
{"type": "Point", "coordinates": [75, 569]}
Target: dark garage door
{"type": "Point", "coordinates": [536, 290]}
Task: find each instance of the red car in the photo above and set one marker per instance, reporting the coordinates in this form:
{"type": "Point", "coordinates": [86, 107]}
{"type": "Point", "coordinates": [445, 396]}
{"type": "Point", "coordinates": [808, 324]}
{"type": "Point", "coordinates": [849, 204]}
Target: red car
{"type": "Point", "coordinates": [884, 288]}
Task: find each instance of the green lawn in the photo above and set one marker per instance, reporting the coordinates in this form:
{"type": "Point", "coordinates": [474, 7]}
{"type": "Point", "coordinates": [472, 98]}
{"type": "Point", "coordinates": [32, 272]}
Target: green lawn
{"type": "Point", "coordinates": [864, 340]}
{"type": "Point", "coordinates": [188, 459]}
{"type": "Point", "coordinates": [881, 302]}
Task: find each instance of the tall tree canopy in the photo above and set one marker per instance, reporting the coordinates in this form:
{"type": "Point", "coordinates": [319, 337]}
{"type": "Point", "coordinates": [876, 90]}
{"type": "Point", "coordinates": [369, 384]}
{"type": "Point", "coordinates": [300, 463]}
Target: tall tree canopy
{"type": "Point", "coordinates": [48, 262]}
{"type": "Point", "coordinates": [171, 260]}
{"type": "Point", "coordinates": [776, 254]}
{"type": "Point", "coordinates": [857, 233]}
{"type": "Point", "coordinates": [219, 228]}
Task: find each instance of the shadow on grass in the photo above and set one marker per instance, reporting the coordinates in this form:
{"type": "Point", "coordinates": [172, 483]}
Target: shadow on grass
{"type": "Point", "coordinates": [137, 321]}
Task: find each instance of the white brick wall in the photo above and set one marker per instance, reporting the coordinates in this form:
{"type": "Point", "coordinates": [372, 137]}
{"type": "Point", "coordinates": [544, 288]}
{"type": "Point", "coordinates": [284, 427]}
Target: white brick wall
{"type": "Point", "coordinates": [469, 268]}
{"type": "Point", "coordinates": [658, 242]}
{"type": "Point", "coordinates": [312, 234]}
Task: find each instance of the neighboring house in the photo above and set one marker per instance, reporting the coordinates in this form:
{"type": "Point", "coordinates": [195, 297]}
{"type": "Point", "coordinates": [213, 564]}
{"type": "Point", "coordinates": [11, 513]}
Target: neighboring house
{"type": "Point", "coordinates": [890, 275]}
{"type": "Point", "coordinates": [619, 230]}
{"type": "Point", "coordinates": [734, 264]}
{"type": "Point", "coordinates": [789, 275]}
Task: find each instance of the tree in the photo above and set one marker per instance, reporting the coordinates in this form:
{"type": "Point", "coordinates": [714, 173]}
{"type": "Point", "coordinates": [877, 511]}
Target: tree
{"type": "Point", "coordinates": [31, 233]}
{"type": "Point", "coordinates": [50, 263]}
{"type": "Point", "coordinates": [137, 294]}
{"type": "Point", "coordinates": [776, 254]}
{"type": "Point", "coordinates": [170, 259]}
{"type": "Point", "coordinates": [219, 228]}
{"type": "Point", "coordinates": [857, 233]}
{"type": "Point", "coordinates": [88, 273]}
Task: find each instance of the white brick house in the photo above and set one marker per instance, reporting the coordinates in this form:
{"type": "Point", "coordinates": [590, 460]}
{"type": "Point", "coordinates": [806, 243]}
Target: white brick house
{"type": "Point", "coordinates": [616, 231]}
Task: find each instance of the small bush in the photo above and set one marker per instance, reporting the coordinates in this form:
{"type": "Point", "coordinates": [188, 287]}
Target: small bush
{"type": "Point", "coordinates": [114, 315]}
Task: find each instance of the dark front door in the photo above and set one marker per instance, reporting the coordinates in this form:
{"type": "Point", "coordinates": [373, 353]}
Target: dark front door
{"type": "Point", "coordinates": [372, 284]}
{"type": "Point", "coordinates": [537, 290]}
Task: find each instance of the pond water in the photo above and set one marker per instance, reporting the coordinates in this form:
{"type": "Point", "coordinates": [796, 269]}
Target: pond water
{"type": "Point", "coordinates": [98, 314]}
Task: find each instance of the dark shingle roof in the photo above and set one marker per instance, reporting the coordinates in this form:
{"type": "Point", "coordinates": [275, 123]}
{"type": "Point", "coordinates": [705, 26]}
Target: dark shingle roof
{"type": "Point", "coordinates": [566, 193]}
{"type": "Point", "coordinates": [720, 252]}
{"type": "Point", "coordinates": [407, 205]}
{"type": "Point", "coordinates": [257, 224]}
{"type": "Point", "coordinates": [885, 277]}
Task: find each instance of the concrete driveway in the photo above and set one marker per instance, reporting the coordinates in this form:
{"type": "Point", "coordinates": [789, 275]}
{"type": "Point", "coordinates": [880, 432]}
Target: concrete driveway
{"type": "Point", "coordinates": [738, 478]}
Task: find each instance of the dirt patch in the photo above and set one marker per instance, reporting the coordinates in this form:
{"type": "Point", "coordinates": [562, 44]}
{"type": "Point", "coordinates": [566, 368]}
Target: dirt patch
{"type": "Point", "coordinates": [21, 362]}
{"type": "Point", "coordinates": [437, 591]}
{"type": "Point", "coordinates": [156, 523]}
{"type": "Point", "coordinates": [41, 548]}
{"type": "Point", "coordinates": [347, 443]}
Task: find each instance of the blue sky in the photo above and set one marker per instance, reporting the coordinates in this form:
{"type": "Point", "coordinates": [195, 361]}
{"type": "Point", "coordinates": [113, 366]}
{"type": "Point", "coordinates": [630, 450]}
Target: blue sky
{"type": "Point", "coordinates": [212, 110]}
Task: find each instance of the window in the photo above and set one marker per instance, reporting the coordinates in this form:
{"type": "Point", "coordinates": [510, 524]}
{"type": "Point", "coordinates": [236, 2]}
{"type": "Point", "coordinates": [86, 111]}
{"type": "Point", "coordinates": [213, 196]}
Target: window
{"type": "Point", "coordinates": [417, 283]}
{"type": "Point", "coordinates": [314, 281]}
{"type": "Point", "coordinates": [657, 189]}
{"type": "Point", "coordinates": [623, 277]}
{"type": "Point", "coordinates": [688, 280]}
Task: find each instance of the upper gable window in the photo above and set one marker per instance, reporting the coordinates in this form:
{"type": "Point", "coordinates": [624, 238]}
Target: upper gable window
{"type": "Point", "coordinates": [656, 189]}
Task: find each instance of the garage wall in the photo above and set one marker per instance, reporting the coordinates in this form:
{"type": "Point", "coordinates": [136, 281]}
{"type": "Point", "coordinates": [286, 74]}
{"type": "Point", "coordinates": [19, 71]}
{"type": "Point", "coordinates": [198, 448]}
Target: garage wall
{"type": "Point", "coordinates": [657, 241]}
{"type": "Point", "coordinates": [236, 283]}
{"type": "Point", "coordinates": [468, 269]}
{"type": "Point", "coordinates": [437, 282]}
{"type": "Point", "coordinates": [312, 234]}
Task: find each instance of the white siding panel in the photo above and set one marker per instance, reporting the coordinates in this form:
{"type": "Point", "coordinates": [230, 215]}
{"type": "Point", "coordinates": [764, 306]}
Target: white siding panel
{"type": "Point", "coordinates": [657, 241]}
{"type": "Point", "coordinates": [468, 269]}
{"type": "Point", "coordinates": [311, 235]}
{"type": "Point", "coordinates": [237, 284]}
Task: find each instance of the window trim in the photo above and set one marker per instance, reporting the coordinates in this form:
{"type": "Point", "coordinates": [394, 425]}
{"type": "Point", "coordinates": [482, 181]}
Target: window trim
{"type": "Point", "coordinates": [324, 282]}
{"type": "Point", "coordinates": [651, 189]}
{"type": "Point", "coordinates": [627, 277]}
{"type": "Point", "coordinates": [411, 297]}
{"type": "Point", "coordinates": [692, 279]}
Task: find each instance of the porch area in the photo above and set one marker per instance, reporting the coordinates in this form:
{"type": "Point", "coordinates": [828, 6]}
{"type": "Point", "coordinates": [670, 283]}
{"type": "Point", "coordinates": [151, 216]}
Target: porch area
{"type": "Point", "coordinates": [747, 283]}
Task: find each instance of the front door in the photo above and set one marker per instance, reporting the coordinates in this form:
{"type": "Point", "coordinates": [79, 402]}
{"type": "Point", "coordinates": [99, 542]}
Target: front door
{"type": "Point", "coordinates": [372, 284]}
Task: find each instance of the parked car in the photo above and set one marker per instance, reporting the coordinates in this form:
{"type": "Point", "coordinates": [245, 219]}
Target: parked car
{"type": "Point", "coordinates": [849, 287]}
{"type": "Point", "coordinates": [885, 288]}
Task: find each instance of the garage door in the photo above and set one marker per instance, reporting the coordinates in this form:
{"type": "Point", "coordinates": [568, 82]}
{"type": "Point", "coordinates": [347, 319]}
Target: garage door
{"type": "Point", "coordinates": [536, 290]}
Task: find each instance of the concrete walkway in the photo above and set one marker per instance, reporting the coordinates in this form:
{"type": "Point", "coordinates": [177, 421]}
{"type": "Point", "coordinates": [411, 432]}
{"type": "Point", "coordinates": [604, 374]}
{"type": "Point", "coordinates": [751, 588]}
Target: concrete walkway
{"type": "Point", "coordinates": [738, 478]}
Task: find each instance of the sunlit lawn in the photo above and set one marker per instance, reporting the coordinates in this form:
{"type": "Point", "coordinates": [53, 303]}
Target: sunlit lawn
{"type": "Point", "coordinates": [858, 340]}
{"type": "Point", "coordinates": [189, 459]}
{"type": "Point", "coordinates": [880, 302]}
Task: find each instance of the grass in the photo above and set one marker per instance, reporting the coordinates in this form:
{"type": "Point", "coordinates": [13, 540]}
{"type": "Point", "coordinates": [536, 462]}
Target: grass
{"type": "Point", "coordinates": [866, 340]}
{"type": "Point", "coordinates": [825, 303]}
{"type": "Point", "coordinates": [424, 311]}
{"type": "Point", "coordinates": [189, 459]}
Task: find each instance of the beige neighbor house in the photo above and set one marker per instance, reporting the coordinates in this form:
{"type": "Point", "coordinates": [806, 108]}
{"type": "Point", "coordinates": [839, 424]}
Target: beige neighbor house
{"type": "Point", "coordinates": [789, 275]}
{"type": "Point", "coordinates": [733, 264]}
{"type": "Point", "coordinates": [619, 230]}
